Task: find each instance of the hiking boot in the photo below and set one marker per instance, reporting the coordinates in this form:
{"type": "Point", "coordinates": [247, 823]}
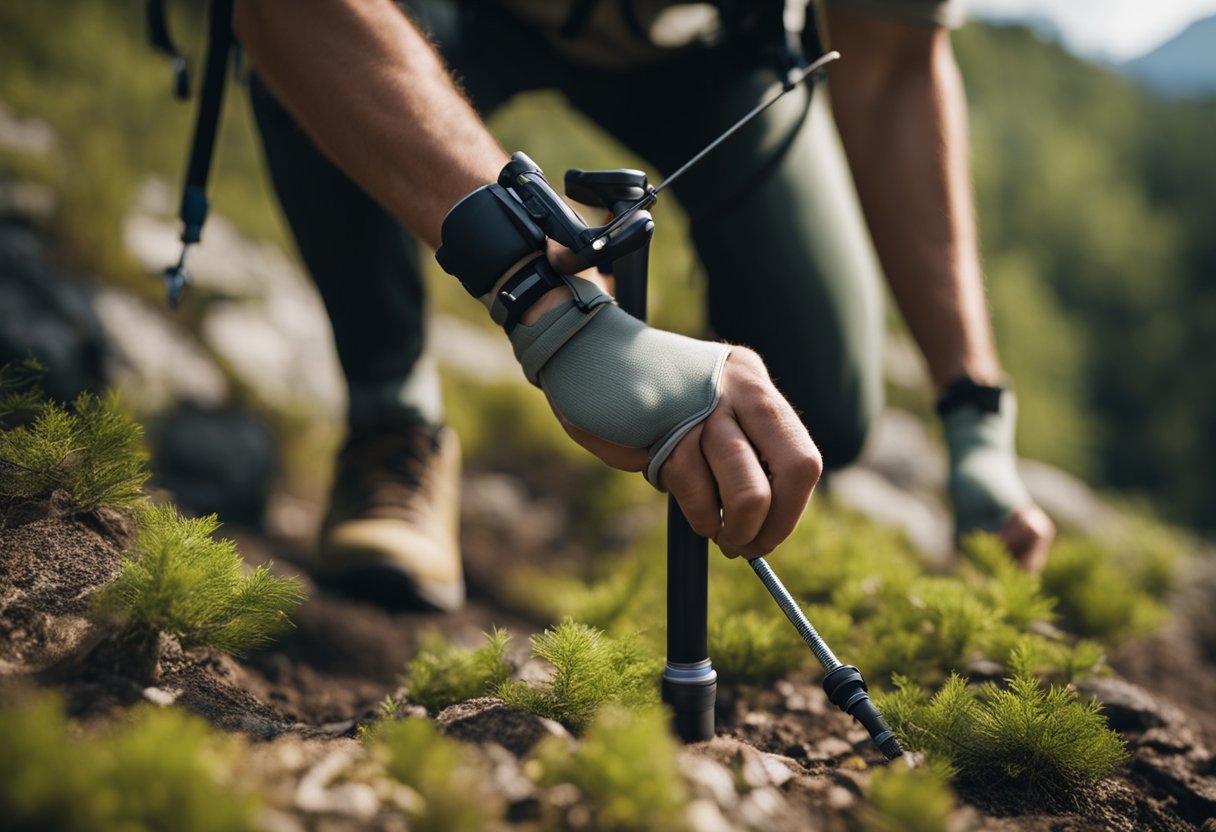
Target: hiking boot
{"type": "Point", "coordinates": [392, 532]}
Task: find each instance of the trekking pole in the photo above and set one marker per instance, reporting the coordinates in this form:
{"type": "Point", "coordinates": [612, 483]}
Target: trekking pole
{"type": "Point", "coordinates": [690, 684]}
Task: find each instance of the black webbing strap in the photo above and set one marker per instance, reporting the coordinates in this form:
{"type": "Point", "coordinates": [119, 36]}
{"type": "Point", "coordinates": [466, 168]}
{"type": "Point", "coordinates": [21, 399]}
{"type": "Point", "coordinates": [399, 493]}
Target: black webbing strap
{"type": "Point", "coordinates": [206, 125]}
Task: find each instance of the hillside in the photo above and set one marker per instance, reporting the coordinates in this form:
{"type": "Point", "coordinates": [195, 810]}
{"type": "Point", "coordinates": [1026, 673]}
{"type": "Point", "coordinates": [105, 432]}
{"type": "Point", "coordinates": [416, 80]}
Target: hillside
{"type": "Point", "coordinates": [1183, 67]}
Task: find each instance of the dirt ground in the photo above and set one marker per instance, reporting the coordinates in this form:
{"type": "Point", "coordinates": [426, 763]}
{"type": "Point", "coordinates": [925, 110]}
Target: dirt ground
{"type": "Point", "coordinates": [312, 688]}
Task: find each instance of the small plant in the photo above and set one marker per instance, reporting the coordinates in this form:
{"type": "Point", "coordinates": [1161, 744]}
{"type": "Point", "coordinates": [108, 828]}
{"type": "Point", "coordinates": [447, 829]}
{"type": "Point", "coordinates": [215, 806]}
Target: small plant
{"type": "Point", "coordinates": [625, 766]}
{"type": "Point", "coordinates": [92, 451]}
{"type": "Point", "coordinates": [591, 670]}
{"type": "Point", "coordinates": [906, 799]}
{"type": "Point", "coordinates": [160, 769]}
{"type": "Point", "coordinates": [179, 580]}
{"type": "Point", "coordinates": [1025, 738]}
{"type": "Point", "coordinates": [442, 675]}
{"type": "Point", "coordinates": [443, 774]}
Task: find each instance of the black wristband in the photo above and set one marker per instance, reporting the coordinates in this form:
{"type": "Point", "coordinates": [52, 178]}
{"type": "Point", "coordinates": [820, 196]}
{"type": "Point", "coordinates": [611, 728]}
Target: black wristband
{"type": "Point", "coordinates": [966, 391]}
{"type": "Point", "coordinates": [485, 234]}
{"type": "Point", "coordinates": [526, 287]}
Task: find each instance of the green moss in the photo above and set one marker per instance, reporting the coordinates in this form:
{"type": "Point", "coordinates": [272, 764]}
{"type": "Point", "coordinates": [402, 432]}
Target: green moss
{"type": "Point", "coordinates": [442, 675]}
{"type": "Point", "coordinates": [591, 670]}
{"type": "Point", "coordinates": [625, 768]}
{"type": "Point", "coordinates": [1039, 741]}
{"type": "Point", "coordinates": [159, 769]}
{"type": "Point", "coordinates": [905, 799]}
{"type": "Point", "coordinates": [755, 647]}
{"type": "Point", "coordinates": [178, 579]}
{"type": "Point", "coordinates": [445, 776]}
{"type": "Point", "coordinates": [92, 450]}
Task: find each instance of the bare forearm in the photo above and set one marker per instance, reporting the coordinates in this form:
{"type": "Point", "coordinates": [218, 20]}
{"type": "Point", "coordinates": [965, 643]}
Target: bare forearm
{"type": "Point", "coordinates": [371, 92]}
{"type": "Point", "coordinates": [901, 111]}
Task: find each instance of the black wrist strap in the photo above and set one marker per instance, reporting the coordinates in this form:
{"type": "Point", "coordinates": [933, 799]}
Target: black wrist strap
{"type": "Point", "coordinates": [965, 392]}
{"type": "Point", "coordinates": [485, 234]}
{"type": "Point", "coordinates": [536, 279]}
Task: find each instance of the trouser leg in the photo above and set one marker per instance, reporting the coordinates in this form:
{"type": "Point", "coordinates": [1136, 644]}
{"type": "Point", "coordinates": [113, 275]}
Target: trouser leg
{"type": "Point", "coordinates": [365, 266]}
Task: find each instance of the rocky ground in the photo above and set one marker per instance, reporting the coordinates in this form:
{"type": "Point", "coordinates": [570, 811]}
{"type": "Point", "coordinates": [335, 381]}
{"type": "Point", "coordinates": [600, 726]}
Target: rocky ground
{"type": "Point", "coordinates": [783, 758]}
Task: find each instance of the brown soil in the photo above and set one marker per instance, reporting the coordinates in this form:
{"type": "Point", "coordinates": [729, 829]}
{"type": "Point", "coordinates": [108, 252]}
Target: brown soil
{"type": "Point", "coordinates": [344, 657]}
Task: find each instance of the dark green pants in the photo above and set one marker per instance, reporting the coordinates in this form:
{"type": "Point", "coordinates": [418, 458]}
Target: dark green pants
{"type": "Point", "coordinates": [773, 217]}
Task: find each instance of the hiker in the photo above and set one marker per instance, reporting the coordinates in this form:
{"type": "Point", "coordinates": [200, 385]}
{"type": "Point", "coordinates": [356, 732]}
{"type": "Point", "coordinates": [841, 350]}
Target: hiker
{"type": "Point", "coordinates": [366, 136]}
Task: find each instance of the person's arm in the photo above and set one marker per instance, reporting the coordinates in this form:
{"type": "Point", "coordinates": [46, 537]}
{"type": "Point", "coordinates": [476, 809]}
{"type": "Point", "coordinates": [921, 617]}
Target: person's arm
{"type": "Point", "coordinates": [375, 97]}
{"type": "Point", "coordinates": [899, 105]}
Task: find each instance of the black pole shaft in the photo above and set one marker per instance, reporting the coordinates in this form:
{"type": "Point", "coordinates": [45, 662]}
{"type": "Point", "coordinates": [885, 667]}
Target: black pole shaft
{"type": "Point", "coordinates": [690, 685]}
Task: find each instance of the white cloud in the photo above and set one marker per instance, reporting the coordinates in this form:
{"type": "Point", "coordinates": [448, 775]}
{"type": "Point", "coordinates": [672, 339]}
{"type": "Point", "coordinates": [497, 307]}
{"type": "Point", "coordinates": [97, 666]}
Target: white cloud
{"type": "Point", "coordinates": [1114, 29]}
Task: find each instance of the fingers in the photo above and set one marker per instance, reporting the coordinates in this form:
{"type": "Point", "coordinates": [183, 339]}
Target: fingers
{"type": "Point", "coordinates": [688, 477]}
{"type": "Point", "coordinates": [1028, 534]}
{"type": "Point", "coordinates": [742, 483]}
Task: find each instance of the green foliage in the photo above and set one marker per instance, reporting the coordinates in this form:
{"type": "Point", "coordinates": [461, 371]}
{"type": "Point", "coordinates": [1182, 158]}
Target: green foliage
{"type": "Point", "coordinates": [178, 579]}
{"type": "Point", "coordinates": [1039, 741]}
{"type": "Point", "coordinates": [1110, 593]}
{"type": "Point", "coordinates": [625, 767]}
{"type": "Point", "coordinates": [158, 770]}
{"type": "Point", "coordinates": [906, 799]}
{"type": "Point", "coordinates": [92, 450]}
{"type": "Point", "coordinates": [442, 674]}
{"type": "Point", "coordinates": [591, 670]}
{"type": "Point", "coordinates": [443, 773]}
{"type": "Point", "coordinates": [755, 647]}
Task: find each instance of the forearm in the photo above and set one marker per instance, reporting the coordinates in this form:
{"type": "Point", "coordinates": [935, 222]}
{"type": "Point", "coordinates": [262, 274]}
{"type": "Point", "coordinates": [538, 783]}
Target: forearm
{"type": "Point", "coordinates": [900, 108]}
{"type": "Point", "coordinates": [375, 97]}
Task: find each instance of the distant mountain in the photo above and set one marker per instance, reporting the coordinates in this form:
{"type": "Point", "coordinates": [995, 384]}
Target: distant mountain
{"type": "Point", "coordinates": [1183, 67]}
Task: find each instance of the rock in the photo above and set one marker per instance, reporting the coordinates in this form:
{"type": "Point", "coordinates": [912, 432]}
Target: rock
{"type": "Point", "coordinates": [1194, 791]}
{"type": "Point", "coordinates": [160, 697]}
{"type": "Point", "coordinates": [708, 779]}
{"type": "Point", "coordinates": [926, 523]}
{"type": "Point", "coordinates": [899, 448]}
{"type": "Point", "coordinates": [48, 314]}
{"type": "Point", "coordinates": [502, 506]}
{"type": "Point", "coordinates": [488, 720]}
{"type": "Point", "coordinates": [472, 350]}
{"type": "Point", "coordinates": [151, 359]}
{"type": "Point", "coordinates": [221, 461]}
{"type": "Point", "coordinates": [1130, 707]}
{"type": "Point", "coordinates": [27, 136]}
{"type": "Point", "coordinates": [1069, 501]}
{"type": "Point", "coordinates": [704, 816]}
{"type": "Point", "coordinates": [754, 768]}
{"type": "Point", "coordinates": [353, 800]}
{"type": "Point", "coordinates": [27, 202]}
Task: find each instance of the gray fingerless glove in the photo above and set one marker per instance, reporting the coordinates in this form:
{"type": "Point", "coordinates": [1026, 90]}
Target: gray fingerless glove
{"type": "Point", "coordinates": [984, 484]}
{"type": "Point", "coordinates": [611, 375]}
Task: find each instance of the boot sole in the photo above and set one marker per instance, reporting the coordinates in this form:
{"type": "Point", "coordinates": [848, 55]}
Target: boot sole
{"type": "Point", "coordinates": [393, 590]}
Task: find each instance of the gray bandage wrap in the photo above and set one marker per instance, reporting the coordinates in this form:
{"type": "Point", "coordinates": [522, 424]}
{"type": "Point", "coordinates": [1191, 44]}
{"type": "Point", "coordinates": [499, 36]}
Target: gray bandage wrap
{"type": "Point", "coordinates": [609, 374]}
{"type": "Point", "coordinates": [984, 483]}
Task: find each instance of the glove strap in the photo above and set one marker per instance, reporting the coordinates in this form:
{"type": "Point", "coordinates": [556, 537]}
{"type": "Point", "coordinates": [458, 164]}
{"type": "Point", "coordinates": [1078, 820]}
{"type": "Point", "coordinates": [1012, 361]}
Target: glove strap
{"type": "Point", "coordinates": [485, 234]}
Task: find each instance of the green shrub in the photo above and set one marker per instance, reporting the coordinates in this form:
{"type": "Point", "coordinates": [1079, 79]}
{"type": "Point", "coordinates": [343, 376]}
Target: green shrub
{"type": "Point", "coordinates": [906, 799]}
{"type": "Point", "coordinates": [1042, 742]}
{"type": "Point", "coordinates": [442, 675]}
{"type": "Point", "coordinates": [591, 670]}
{"type": "Point", "coordinates": [755, 647]}
{"type": "Point", "coordinates": [445, 776]}
{"type": "Point", "coordinates": [625, 767]}
{"type": "Point", "coordinates": [1109, 594]}
{"type": "Point", "coordinates": [92, 450]}
{"type": "Point", "coordinates": [178, 579]}
{"type": "Point", "coordinates": [160, 769]}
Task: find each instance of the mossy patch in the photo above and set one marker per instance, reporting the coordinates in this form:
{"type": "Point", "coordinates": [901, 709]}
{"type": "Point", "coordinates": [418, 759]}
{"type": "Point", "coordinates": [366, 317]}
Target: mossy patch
{"type": "Point", "coordinates": [443, 674]}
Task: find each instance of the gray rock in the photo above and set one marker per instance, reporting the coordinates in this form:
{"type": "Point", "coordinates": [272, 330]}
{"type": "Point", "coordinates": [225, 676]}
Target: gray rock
{"type": "Point", "coordinates": [1069, 501]}
{"type": "Point", "coordinates": [926, 523]}
{"type": "Point", "coordinates": [27, 136]}
{"type": "Point", "coordinates": [48, 314]}
{"type": "Point", "coordinates": [217, 460]}
{"type": "Point", "coordinates": [152, 360]}
{"type": "Point", "coordinates": [899, 447]}
{"type": "Point", "coordinates": [489, 720]}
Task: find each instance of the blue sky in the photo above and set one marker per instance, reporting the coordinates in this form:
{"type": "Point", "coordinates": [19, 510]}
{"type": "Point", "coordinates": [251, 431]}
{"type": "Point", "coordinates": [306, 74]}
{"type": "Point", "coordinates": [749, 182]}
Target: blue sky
{"type": "Point", "coordinates": [1111, 29]}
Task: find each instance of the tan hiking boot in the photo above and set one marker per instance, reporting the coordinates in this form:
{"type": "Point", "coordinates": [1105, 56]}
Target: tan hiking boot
{"type": "Point", "coordinates": [392, 532]}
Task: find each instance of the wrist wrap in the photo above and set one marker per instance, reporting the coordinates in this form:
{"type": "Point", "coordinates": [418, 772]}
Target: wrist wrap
{"type": "Point", "coordinates": [609, 374]}
{"type": "Point", "coordinates": [485, 234]}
